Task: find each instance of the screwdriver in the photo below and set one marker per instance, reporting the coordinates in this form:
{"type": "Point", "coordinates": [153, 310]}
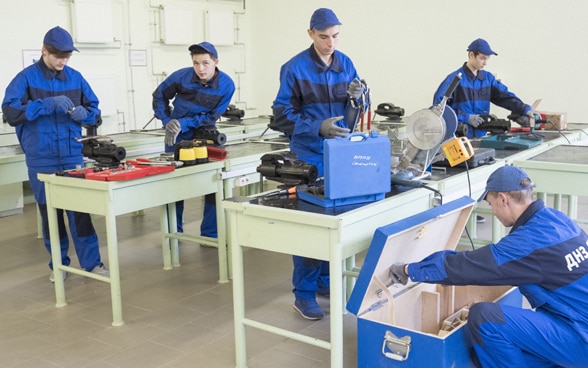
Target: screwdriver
{"type": "Point", "coordinates": [281, 192]}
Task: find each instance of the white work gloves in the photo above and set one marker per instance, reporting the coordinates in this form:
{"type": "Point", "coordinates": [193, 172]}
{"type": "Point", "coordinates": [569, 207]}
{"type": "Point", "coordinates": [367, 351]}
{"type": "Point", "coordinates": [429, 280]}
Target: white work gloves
{"type": "Point", "coordinates": [172, 130]}
{"type": "Point", "coordinates": [475, 120]}
{"type": "Point", "coordinates": [355, 89]}
{"type": "Point", "coordinates": [328, 128]}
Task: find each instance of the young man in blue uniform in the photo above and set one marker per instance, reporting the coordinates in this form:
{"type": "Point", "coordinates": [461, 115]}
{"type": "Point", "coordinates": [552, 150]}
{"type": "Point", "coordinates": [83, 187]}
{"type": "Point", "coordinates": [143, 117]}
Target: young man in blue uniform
{"type": "Point", "coordinates": [546, 255]}
{"type": "Point", "coordinates": [47, 103]}
{"type": "Point", "coordinates": [315, 90]}
{"type": "Point", "coordinates": [476, 90]}
{"type": "Point", "coordinates": [201, 94]}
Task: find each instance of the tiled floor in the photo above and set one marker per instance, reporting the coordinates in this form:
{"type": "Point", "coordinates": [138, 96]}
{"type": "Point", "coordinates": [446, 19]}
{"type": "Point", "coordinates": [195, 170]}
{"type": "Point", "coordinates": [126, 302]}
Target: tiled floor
{"type": "Point", "coordinates": [174, 319]}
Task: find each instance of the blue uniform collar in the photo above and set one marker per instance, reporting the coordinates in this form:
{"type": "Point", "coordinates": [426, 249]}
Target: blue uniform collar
{"type": "Point", "coordinates": [468, 73]}
{"type": "Point", "coordinates": [529, 212]}
{"type": "Point", "coordinates": [321, 66]}
{"type": "Point", "coordinates": [50, 74]}
{"type": "Point", "coordinates": [213, 83]}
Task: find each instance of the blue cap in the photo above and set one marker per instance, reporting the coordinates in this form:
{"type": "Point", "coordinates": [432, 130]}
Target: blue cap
{"type": "Point", "coordinates": [323, 18]}
{"type": "Point", "coordinates": [481, 46]}
{"type": "Point", "coordinates": [206, 46]}
{"type": "Point", "coordinates": [507, 179]}
{"type": "Point", "coordinates": [60, 39]}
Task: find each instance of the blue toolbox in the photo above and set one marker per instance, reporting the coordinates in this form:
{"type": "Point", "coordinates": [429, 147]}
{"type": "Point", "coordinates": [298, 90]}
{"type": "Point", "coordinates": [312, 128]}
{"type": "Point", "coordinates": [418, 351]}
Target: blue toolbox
{"type": "Point", "coordinates": [418, 324]}
{"type": "Point", "coordinates": [513, 142]}
{"type": "Point", "coordinates": [356, 170]}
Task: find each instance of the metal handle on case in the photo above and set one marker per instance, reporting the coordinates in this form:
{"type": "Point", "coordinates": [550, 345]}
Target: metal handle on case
{"type": "Point", "coordinates": [396, 348]}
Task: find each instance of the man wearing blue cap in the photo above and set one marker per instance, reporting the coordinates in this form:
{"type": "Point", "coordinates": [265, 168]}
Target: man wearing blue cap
{"type": "Point", "coordinates": [545, 254]}
{"type": "Point", "coordinates": [201, 94]}
{"type": "Point", "coordinates": [47, 103]}
{"type": "Point", "coordinates": [316, 89]}
{"type": "Point", "coordinates": [477, 89]}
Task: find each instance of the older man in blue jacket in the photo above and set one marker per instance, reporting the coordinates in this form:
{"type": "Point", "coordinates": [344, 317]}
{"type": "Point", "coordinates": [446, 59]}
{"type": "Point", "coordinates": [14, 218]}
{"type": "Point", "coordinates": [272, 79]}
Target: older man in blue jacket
{"type": "Point", "coordinates": [545, 254]}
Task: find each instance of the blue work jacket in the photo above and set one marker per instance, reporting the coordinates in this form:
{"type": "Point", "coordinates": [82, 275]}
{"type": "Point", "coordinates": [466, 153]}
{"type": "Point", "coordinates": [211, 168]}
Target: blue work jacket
{"type": "Point", "coordinates": [545, 254]}
{"type": "Point", "coordinates": [474, 94]}
{"type": "Point", "coordinates": [48, 137]}
{"type": "Point", "coordinates": [309, 93]}
{"type": "Point", "coordinates": [194, 104]}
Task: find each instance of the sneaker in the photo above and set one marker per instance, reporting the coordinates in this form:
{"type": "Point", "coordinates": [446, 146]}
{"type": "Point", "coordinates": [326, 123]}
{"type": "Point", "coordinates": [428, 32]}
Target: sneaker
{"type": "Point", "coordinates": [101, 270]}
{"type": "Point", "coordinates": [308, 308]}
{"type": "Point", "coordinates": [52, 276]}
{"type": "Point", "coordinates": [480, 219]}
{"type": "Point", "coordinates": [324, 291]}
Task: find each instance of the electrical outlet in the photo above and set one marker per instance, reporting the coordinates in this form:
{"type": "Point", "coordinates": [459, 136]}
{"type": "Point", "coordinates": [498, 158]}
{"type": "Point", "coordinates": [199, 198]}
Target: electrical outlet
{"type": "Point", "coordinates": [242, 181]}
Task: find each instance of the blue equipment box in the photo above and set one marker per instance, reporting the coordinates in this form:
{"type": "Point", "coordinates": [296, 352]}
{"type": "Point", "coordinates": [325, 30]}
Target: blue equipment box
{"type": "Point", "coordinates": [418, 324]}
{"type": "Point", "coordinates": [357, 170]}
{"type": "Point", "coordinates": [513, 142]}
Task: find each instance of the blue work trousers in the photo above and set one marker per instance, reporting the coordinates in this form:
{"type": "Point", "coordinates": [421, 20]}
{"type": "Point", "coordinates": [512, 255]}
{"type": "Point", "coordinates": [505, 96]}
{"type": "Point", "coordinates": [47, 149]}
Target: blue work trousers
{"type": "Point", "coordinates": [208, 225]}
{"type": "Point", "coordinates": [506, 336]}
{"type": "Point", "coordinates": [81, 229]}
{"type": "Point", "coordinates": [309, 275]}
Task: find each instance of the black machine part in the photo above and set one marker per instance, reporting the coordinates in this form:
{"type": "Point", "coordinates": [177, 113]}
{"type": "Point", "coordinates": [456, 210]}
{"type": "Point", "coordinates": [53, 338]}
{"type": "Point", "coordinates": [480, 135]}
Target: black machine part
{"type": "Point", "coordinates": [210, 133]}
{"type": "Point", "coordinates": [493, 125]}
{"type": "Point", "coordinates": [390, 111]}
{"type": "Point", "coordinates": [100, 148]}
{"type": "Point", "coordinates": [524, 121]}
{"type": "Point", "coordinates": [284, 167]}
{"type": "Point", "coordinates": [462, 130]}
{"type": "Point", "coordinates": [233, 113]}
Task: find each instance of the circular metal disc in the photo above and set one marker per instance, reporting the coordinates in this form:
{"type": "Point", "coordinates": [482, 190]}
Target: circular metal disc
{"type": "Point", "coordinates": [425, 130]}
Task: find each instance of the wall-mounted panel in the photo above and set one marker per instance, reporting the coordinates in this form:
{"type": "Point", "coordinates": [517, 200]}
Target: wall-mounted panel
{"type": "Point", "coordinates": [92, 21]}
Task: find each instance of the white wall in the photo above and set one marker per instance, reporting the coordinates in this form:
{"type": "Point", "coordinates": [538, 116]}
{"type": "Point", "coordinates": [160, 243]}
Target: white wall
{"type": "Point", "coordinates": [403, 49]}
{"type": "Point", "coordinates": [136, 25]}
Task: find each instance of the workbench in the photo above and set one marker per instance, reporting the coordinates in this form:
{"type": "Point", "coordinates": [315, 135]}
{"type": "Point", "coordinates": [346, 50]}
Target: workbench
{"type": "Point", "coordinates": [560, 171]}
{"type": "Point", "coordinates": [455, 182]}
{"type": "Point", "coordinates": [113, 198]}
{"type": "Point", "coordinates": [239, 170]}
{"type": "Point", "coordinates": [292, 226]}
{"type": "Point", "coordinates": [13, 171]}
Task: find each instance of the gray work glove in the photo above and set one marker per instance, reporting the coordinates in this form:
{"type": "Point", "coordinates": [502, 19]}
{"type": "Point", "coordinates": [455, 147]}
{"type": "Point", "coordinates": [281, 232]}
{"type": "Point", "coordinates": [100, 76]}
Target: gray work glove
{"type": "Point", "coordinates": [532, 114]}
{"type": "Point", "coordinates": [60, 103]}
{"type": "Point", "coordinates": [328, 128]}
{"type": "Point", "coordinates": [79, 113]}
{"type": "Point", "coordinates": [397, 274]}
{"type": "Point", "coordinates": [172, 130]}
{"type": "Point", "coordinates": [523, 121]}
{"type": "Point", "coordinates": [475, 120]}
{"type": "Point", "coordinates": [355, 89]}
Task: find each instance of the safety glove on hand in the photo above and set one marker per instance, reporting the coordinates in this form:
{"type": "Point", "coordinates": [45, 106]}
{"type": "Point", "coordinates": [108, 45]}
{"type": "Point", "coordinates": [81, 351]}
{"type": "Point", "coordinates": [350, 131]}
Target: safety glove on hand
{"type": "Point", "coordinates": [328, 128]}
{"type": "Point", "coordinates": [523, 120]}
{"type": "Point", "coordinates": [79, 113]}
{"type": "Point", "coordinates": [355, 89]}
{"type": "Point", "coordinates": [172, 130]}
{"type": "Point", "coordinates": [58, 103]}
{"type": "Point", "coordinates": [475, 120]}
{"type": "Point", "coordinates": [397, 274]}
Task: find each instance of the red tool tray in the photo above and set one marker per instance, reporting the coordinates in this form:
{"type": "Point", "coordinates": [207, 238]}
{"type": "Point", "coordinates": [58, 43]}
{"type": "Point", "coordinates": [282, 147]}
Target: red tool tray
{"type": "Point", "coordinates": [134, 172]}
